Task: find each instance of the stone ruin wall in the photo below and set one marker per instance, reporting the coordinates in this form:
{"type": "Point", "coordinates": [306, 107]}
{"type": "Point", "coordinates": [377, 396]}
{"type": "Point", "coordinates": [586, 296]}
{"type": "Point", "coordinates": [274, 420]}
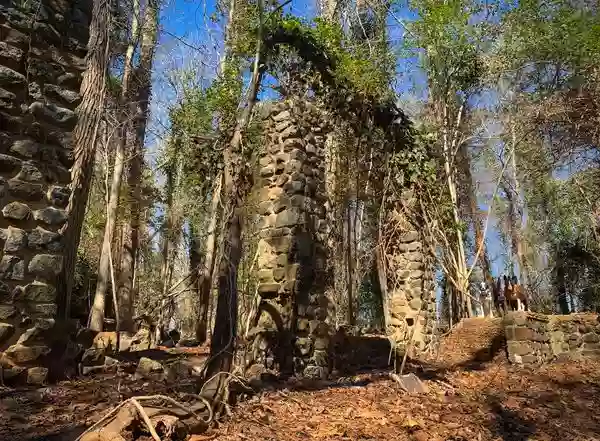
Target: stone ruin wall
{"type": "Point", "coordinates": [410, 284]}
{"type": "Point", "coordinates": [42, 50]}
{"type": "Point", "coordinates": [291, 253]}
{"type": "Point", "coordinates": [533, 339]}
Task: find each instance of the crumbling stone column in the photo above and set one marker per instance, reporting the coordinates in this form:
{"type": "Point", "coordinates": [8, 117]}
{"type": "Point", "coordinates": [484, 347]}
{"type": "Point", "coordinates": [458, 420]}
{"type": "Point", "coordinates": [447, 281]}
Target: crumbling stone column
{"type": "Point", "coordinates": [411, 290]}
{"type": "Point", "coordinates": [42, 50]}
{"type": "Point", "coordinates": [292, 335]}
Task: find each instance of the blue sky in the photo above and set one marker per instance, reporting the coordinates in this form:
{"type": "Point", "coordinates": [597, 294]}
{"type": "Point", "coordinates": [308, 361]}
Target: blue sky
{"type": "Point", "coordinates": [190, 39]}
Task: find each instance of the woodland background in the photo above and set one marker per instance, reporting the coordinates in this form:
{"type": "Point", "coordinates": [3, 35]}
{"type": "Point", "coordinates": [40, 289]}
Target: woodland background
{"type": "Point", "coordinates": [503, 96]}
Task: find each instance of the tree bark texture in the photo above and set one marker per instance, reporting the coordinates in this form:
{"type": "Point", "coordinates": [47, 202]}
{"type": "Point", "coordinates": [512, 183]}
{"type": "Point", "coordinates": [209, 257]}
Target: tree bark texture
{"type": "Point", "coordinates": [85, 137]}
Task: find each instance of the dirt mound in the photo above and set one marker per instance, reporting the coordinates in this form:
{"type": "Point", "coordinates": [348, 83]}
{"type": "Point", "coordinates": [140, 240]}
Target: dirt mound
{"type": "Point", "coordinates": [473, 342]}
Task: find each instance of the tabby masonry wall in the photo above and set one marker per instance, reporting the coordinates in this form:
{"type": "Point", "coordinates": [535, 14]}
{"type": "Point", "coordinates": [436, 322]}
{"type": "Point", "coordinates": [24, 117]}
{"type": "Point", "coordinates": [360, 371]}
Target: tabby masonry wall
{"type": "Point", "coordinates": [537, 338]}
{"type": "Point", "coordinates": [292, 334]}
{"type": "Point", "coordinates": [42, 50]}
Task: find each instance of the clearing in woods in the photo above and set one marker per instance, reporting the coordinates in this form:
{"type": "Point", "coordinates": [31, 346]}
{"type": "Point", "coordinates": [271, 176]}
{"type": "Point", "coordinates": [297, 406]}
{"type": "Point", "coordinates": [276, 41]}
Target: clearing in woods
{"type": "Point", "coordinates": [474, 394]}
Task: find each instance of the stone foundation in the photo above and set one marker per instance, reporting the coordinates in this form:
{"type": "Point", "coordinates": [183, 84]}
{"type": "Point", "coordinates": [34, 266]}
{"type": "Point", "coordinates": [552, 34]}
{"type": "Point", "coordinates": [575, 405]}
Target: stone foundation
{"type": "Point", "coordinates": [292, 335]}
{"type": "Point", "coordinates": [42, 50]}
{"type": "Point", "coordinates": [537, 338]}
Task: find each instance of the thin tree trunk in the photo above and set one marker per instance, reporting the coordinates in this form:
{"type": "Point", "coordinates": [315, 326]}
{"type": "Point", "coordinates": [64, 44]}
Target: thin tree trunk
{"type": "Point", "coordinates": [85, 138]}
{"type": "Point", "coordinates": [207, 271]}
{"type": "Point", "coordinates": [484, 261]}
{"type": "Point", "coordinates": [518, 220]}
{"type": "Point", "coordinates": [235, 187]}
{"type": "Point", "coordinates": [127, 293]}
{"type": "Point", "coordinates": [461, 276]}
{"type": "Point", "coordinates": [561, 285]}
{"type": "Point", "coordinates": [96, 321]}
{"type": "Point", "coordinates": [349, 267]}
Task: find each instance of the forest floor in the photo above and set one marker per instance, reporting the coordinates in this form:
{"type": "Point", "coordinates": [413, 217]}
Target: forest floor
{"type": "Point", "coordinates": [474, 394]}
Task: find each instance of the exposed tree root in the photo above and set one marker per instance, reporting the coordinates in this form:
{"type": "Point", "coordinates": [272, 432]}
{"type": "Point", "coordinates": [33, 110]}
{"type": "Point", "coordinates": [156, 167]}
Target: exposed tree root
{"type": "Point", "coordinates": [123, 415]}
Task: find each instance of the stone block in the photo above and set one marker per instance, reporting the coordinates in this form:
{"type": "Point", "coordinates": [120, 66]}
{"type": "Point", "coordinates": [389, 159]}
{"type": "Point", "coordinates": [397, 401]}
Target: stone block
{"type": "Point", "coordinates": [9, 164]}
{"type": "Point", "coordinates": [27, 191]}
{"type": "Point", "coordinates": [318, 327]}
{"type": "Point", "coordinates": [42, 239]}
{"type": "Point", "coordinates": [43, 309]}
{"type": "Point", "coordinates": [16, 211]}
{"type": "Point", "coordinates": [265, 275]}
{"type": "Point", "coordinates": [53, 114]}
{"type": "Point", "coordinates": [39, 292]}
{"type": "Point", "coordinates": [46, 265]}
{"type": "Point", "coordinates": [280, 244]}
{"type": "Point", "coordinates": [51, 216]}
{"type": "Point", "coordinates": [304, 345]}
{"type": "Point", "coordinates": [315, 372]}
{"type": "Point", "coordinates": [27, 148]}
{"type": "Point", "coordinates": [11, 77]}
{"type": "Point", "coordinates": [37, 375]}
{"type": "Point", "coordinates": [93, 357]}
{"type": "Point", "coordinates": [279, 273]}
{"type": "Point", "coordinates": [416, 304]}
{"type": "Point", "coordinates": [416, 274]}
{"type": "Point", "coordinates": [281, 116]}
{"type": "Point", "coordinates": [29, 172]}
{"type": "Point", "coordinates": [302, 324]}
{"type": "Point", "coordinates": [282, 125]}
{"type": "Point", "coordinates": [291, 131]}
{"type": "Point", "coordinates": [148, 368]}
{"type": "Point", "coordinates": [66, 95]}
{"type": "Point", "coordinates": [530, 359]}
{"type": "Point", "coordinates": [590, 337]}
{"type": "Point", "coordinates": [7, 312]}
{"type": "Point", "coordinates": [268, 290]}
{"type": "Point", "coordinates": [267, 172]}
{"type": "Point", "coordinates": [519, 347]}
{"type": "Point", "coordinates": [12, 268]}
{"type": "Point", "coordinates": [16, 240]}
{"type": "Point", "coordinates": [410, 236]}
{"type": "Point", "coordinates": [523, 334]}
{"type": "Point", "coordinates": [414, 256]}
{"type": "Point", "coordinates": [557, 336]}
{"type": "Point", "coordinates": [6, 332]}
{"type": "Point", "coordinates": [281, 204]}
{"type": "Point", "coordinates": [24, 354]}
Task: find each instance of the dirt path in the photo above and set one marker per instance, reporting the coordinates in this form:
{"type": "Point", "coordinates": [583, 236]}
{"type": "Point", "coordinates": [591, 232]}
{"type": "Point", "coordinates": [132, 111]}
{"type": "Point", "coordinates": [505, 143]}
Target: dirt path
{"type": "Point", "coordinates": [474, 395]}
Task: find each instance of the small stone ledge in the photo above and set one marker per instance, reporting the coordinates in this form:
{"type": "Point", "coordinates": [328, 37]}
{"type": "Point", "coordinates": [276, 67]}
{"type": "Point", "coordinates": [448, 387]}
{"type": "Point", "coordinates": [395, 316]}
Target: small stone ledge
{"type": "Point", "coordinates": [533, 339]}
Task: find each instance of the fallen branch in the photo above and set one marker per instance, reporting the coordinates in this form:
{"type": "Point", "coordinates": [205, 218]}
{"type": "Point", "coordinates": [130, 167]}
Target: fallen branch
{"type": "Point", "coordinates": [145, 418]}
{"type": "Point", "coordinates": [143, 414]}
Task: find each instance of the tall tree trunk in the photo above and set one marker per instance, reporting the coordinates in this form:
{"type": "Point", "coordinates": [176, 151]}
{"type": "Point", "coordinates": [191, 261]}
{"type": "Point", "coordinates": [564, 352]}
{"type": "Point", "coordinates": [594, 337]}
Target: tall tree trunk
{"type": "Point", "coordinates": [207, 271]}
{"type": "Point", "coordinates": [85, 137]}
{"type": "Point", "coordinates": [561, 285]}
{"type": "Point", "coordinates": [474, 212]}
{"type": "Point", "coordinates": [450, 140]}
{"type": "Point", "coordinates": [235, 188]}
{"type": "Point", "coordinates": [349, 266]}
{"type": "Point", "coordinates": [96, 321]}
{"type": "Point", "coordinates": [166, 250]}
{"type": "Point", "coordinates": [127, 292]}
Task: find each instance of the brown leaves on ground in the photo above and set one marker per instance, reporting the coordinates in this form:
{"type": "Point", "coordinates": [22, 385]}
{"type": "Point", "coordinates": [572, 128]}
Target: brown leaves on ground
{"type": "Point", "coordinates": [500, 403]}
{"type": "Point", "coordinates": [473, 395]}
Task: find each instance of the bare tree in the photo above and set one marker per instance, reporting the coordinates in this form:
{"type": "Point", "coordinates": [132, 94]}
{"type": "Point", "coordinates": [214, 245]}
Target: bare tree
{"type": "Point", "coordinates": [131, 233]}
{"type": "Point", "coordinates": [105, 272]}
